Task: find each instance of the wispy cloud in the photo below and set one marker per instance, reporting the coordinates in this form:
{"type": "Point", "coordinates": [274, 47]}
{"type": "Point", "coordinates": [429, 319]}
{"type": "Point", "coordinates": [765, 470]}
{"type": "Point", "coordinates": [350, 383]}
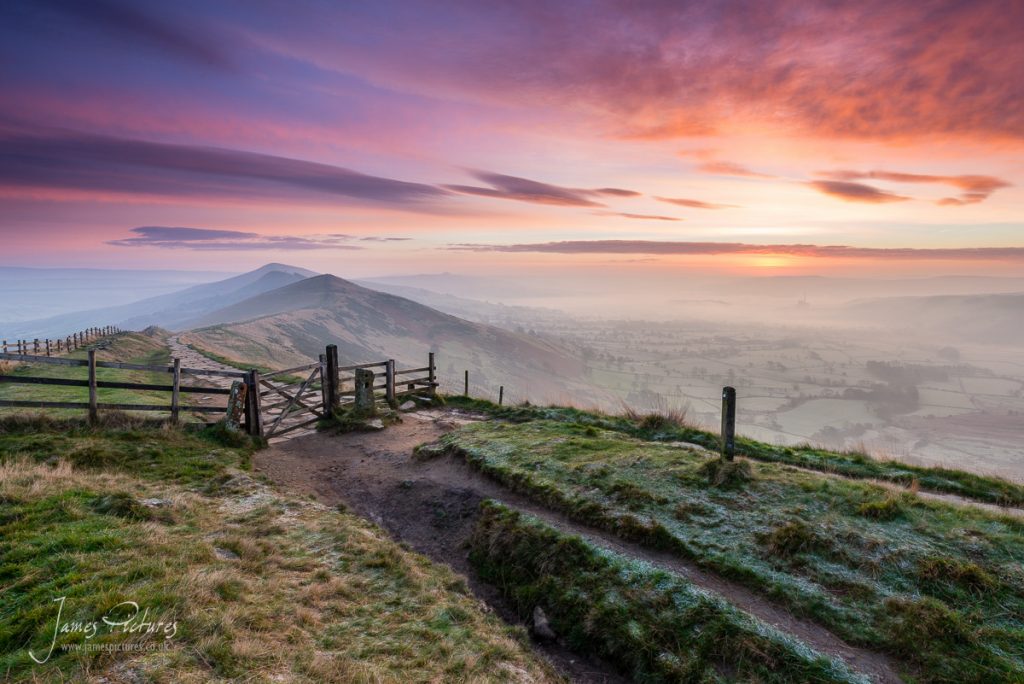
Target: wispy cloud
{"type": "Point", "coordinates": [720, 248]}
{"type": "Point", "coordinates": [694, 204]}
{"type": "Point", "coordinates": [79, 161]}
{"type": "Point", "coordinates": [526, 190]}
{"type": "Point", "coordinates": [974, 188]}
{"type": "Point", "coordinates": [206, 239]}
{"type": "Point", "coordinates": [855, 192]}
{"type": "Point", "coordinates": [727, 168]}
{"type": "Point", "coordinates": [146, 29]}
{"type": "Point", "coordinates": [646, 217]}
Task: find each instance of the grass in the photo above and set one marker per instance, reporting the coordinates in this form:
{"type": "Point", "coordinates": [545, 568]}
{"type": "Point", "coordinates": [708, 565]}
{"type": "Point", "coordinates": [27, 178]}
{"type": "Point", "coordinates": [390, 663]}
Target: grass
{"type": "Point", "coordinates": [136, 348]}
{"type": "Point", "coordinates": [240, 365]}
{"type": "Point", "coordinates": [854, 465]}
{"type": "Point", "coordinates": [258, 585]}
{"type": "Point", "coordinates": [846, 553]}
{"type": "Point", "coordinates": [656, 626]}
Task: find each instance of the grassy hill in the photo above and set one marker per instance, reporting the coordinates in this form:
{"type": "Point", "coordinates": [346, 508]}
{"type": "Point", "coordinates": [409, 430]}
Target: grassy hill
{"type": "Point", "coordinates": [937, 586]}
{"type": "Point", "coordinates": [291, 325]}
{"type": "Point", "coordinates": [258, 585]}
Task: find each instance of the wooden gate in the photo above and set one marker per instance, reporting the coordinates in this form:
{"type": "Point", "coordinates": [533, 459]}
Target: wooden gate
{"type": "Point", "coordinates": [286, 402]}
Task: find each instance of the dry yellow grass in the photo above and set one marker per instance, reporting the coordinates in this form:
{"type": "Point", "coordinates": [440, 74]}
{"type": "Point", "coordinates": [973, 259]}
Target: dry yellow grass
{"type": "Point", "coordinates": [314, 595]}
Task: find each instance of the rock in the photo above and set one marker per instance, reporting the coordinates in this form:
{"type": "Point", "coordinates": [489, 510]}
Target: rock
{"type": "Point", "coordinates": [541, 627]}
{"type": "Point", "coordinates": [407, 406]}
{"type": "Point", "coordinates": [225, 554]}
{"type": "Point", "coordinates": [52, 461]}
{"type": "Point", "coordinates": [156, 503]}
{"type": "Point", "coordinates": [374, 424]}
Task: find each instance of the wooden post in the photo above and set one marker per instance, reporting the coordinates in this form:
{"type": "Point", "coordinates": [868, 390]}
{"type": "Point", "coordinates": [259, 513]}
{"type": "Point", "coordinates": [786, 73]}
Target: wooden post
{"type": "Point", "coordinates": [728, 423]}
{"type": "Point", "coordinates": [93, 409]}
{"type": "Point", "coordinates": [176, 391]}
{"type": "Point", "coordinates": [389, 383]}
{"type": "Point", "coordinates": [323, 383]}
{"type": "Point", "coordinates": [466, 390]}
{"type": "Point", "coordinates": [47, 346]}
{"type": "Point", "coordinates": [253, 419]}
{"type": "Point", "coordinates": [332, 378]}
{"type": "Point", "coordinates": [501, 394]}
{"type": "Point", "coordinates": [431, 376]}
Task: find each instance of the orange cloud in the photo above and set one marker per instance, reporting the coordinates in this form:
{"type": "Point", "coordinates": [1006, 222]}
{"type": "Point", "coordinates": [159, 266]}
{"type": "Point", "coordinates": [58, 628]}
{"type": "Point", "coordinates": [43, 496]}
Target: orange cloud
{"type": "Point", "coordinates": [693, 204]}
{"type": "Point", "coordinates": [855, 192]}
{"type": "Point", "coordinates": [975, 188]}
{"type": "Point", "coordinates": [725, 168]}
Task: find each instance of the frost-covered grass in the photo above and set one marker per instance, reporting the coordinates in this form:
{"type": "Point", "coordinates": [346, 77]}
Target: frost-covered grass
{"type": "Point", "coordinates": [849, 464]}
{"type": "Point", "coordinates": [657, 626]}
{"type": "Point", "coordinates": [938, 586]}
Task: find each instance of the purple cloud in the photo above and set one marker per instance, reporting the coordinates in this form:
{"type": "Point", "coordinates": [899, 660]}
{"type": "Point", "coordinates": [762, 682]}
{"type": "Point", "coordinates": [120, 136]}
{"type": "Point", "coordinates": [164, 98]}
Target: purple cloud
{"type": "Point", "coordinates": [79, 161]}
{"type": "Point", "coordinates": [718, 248]}
{"type": "Point", "coordinates": [206, 239]}
{"type": "Point", "coordinates": [526, 190]}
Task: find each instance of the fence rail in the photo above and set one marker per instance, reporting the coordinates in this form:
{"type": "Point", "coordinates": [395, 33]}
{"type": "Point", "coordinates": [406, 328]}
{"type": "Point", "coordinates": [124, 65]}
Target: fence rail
{"type": "Point", "coordinates": [61, 345]}
{"type": "Point", "coordinates": [326, 387]}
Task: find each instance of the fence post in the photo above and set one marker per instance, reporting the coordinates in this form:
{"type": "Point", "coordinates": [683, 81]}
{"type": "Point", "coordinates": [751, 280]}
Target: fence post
{"type": "Point", "coordinates": [389, 383]}
{"type": "Point", "coordinates": [176, 390]}
{"type": "Point", "coordinates": [253, 420]}
{"type": "Point", "coordinates": [323, 382]}
{"type": "Point", "coordinates": [466, 390]}
{"type": "Point", "coordinates": [431, 374]}
{"type": "Point", "coordinates": [332, 378]}
{"type": "Point", "coordinates": [5, 346]}
{"type": "Point", "coordinates": [728, 422]}
{"type": "Point", "coordinates": [47, 346]}
{"type": "Point", "coordinates": [93, 408]}
{"type": "Point", "coordinates": [501, 394]}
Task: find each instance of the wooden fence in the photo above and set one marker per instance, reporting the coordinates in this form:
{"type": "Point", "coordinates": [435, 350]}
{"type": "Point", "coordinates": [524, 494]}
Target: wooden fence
{"type": "Point", "coordinates": [61, 345]}
{"type": "Point", "coordinates": [324, 388]}
{"type": "Point", "coordinates": [327, 386]}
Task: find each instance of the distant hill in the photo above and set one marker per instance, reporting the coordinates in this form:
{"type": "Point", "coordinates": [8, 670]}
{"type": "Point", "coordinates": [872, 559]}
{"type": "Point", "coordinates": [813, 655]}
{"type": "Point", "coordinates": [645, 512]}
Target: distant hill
{"type": "Point", "coordinates": [35, 293]}
{"type": "Point", "coordinates": [168, 310]}
{"type": "Point", "coordinates": [292, 324]}
{"type": "Point", "coordinates": [986, 318]}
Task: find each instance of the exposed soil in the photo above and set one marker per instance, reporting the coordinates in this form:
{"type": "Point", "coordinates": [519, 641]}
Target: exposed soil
{"type": "Point", "coordinates": [432, 505]}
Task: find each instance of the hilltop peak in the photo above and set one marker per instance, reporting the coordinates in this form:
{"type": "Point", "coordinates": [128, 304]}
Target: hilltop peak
{"type": "Point", "coordinates": [287, 268]}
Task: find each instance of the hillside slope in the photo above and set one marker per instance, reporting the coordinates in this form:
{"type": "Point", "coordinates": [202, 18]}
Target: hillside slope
{"type": "Point", "coordinates": [293, 324]}
{"type": "Point", "coordinates": [167, 311]}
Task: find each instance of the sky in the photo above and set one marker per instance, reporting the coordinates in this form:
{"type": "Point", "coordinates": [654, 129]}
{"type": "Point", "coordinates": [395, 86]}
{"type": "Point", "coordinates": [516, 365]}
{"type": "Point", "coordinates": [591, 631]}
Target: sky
{"type": "Point", "coordinates": [751, 137]}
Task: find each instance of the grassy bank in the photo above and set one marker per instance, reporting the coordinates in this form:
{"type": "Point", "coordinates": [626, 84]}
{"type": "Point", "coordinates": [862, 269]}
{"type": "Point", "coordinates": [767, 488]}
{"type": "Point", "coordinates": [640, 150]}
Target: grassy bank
{"type": "Point", "coordinates": [259, 586]}
{"type": "Point", "coordinates": [937, 586]}
{"type": "Point", "coordinates": [855, 465]}
{"type": "Point", "coordinates": [656, 626]}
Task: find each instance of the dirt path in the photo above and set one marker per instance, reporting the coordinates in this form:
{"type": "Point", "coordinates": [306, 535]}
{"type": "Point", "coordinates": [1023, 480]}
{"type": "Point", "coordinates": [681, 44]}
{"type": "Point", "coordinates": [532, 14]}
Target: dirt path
{"type": "Point", "coordinates": [432, 506]}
